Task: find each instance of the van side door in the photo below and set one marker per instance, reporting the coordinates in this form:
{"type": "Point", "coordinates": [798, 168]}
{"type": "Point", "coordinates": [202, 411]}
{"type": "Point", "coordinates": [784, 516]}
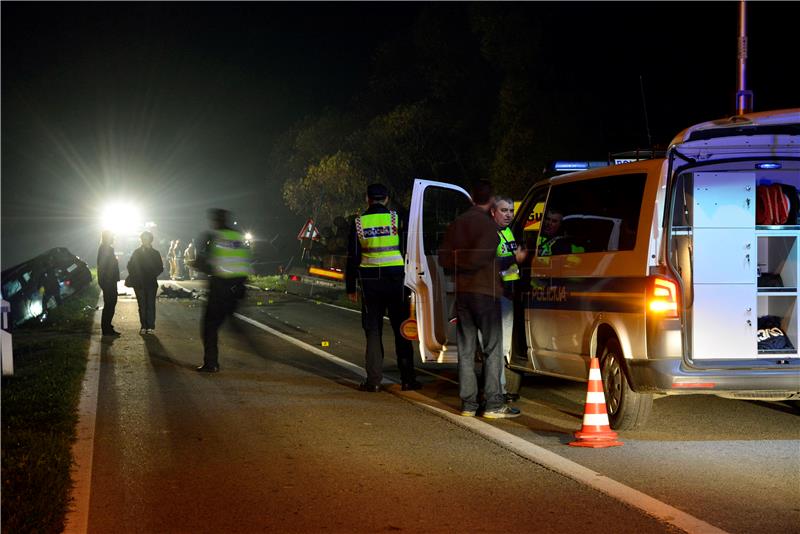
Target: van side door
{"type": "Point", "coordinates": [434, 205]}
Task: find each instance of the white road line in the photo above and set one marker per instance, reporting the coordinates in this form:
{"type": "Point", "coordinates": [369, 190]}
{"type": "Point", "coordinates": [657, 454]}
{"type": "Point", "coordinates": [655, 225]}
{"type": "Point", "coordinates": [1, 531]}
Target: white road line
{"type": "Point", "coordinates": [311, 348]}
{"type": "Point", "coordinates": [539, 455]}
{"type": "Point", "coordinates": [77, 519]}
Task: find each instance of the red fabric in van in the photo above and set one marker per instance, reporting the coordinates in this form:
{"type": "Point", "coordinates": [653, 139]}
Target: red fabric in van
{"type": "Point", "coordinates": [772, 205]}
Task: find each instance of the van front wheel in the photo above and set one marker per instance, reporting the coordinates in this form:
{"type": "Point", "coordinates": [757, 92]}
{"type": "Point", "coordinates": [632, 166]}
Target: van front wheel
{"type": "Point", "coordinates": [627, 409]}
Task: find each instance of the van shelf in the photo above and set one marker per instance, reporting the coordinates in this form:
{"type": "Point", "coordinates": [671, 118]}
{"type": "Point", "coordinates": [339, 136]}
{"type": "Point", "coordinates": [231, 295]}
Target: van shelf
{"type": "Point", "coordinates": [777, 291]}
{"type": "Point", "coordinates": [778, 228]}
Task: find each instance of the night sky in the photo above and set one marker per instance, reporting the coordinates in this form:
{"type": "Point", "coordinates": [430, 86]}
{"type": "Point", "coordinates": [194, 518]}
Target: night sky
{"type": "Point", "coordinates": [177, 105]}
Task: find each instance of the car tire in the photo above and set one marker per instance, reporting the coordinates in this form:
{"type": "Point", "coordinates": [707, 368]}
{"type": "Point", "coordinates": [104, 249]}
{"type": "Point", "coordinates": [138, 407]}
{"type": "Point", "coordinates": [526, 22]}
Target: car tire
{"type": "Point", "coordinates": [627, 410]}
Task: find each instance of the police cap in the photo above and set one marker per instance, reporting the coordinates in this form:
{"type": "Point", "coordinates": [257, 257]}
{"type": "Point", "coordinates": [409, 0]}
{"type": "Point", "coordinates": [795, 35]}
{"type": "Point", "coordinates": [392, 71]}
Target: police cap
{"type": "Point", "coordinates": [377, 191]}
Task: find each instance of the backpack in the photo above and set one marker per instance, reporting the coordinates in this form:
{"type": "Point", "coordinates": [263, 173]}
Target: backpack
{"type": "Point", "coordinates": [773, 205]}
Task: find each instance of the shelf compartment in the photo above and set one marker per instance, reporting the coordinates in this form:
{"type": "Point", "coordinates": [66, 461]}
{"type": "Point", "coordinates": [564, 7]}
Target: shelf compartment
{"type": "Point", "coordinates": [784, 307]}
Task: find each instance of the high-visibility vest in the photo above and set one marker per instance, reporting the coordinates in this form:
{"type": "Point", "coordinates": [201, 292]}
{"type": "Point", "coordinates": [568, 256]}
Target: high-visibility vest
{"type": "Point", "coordinates": [506, 248]}
{"type": "Point", "coordinates": [229, 255]}
{"type": "Point", "coordinates": [379, 240]}
{"type": "Point", "coordinates": [545, 246]}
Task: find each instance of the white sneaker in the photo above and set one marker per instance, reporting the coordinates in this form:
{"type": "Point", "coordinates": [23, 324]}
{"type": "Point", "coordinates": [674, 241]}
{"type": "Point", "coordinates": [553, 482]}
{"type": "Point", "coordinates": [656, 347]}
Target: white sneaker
{"type": "Point", "coordinates": [143, 331]}
{"type": "Point", "coordinates": [151, 330]}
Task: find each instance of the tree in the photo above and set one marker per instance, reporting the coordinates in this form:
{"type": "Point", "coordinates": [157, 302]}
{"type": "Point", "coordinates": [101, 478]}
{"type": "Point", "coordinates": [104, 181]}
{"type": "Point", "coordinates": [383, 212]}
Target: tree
{"type": "Point", "coordinates": [334, 186]}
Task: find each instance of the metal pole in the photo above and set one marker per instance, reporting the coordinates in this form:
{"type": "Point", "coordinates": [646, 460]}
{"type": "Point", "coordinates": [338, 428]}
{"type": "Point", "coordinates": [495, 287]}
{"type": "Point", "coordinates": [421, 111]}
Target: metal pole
{"type": "Point", "coordinates": [744, 98]}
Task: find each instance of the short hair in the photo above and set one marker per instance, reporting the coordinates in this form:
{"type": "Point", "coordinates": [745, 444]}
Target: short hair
{"type": "Point", "coordinates": [482, 192]}
{"type": "Point", "coordinates": [501, 198]}
{"type": "Point", "coordinates": [219, 216]}
{"type": "Point", "coordinates": [106, 236]}
{"type": "Point", "coordinates": [146, 236]}
{"type": "Point", "coordinates": [377, 191]}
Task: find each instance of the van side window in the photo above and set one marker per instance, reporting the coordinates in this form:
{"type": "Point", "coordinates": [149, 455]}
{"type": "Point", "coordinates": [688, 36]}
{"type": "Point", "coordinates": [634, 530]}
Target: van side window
{"type": "Point", "coordinates": [440, 207]}
{"type": "Point", "coordinates": [596, 215]}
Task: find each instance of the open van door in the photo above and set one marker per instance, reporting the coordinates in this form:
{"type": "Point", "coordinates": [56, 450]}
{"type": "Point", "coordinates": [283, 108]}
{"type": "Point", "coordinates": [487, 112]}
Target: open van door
{"type": "Point", "coordinates": [434, 206]}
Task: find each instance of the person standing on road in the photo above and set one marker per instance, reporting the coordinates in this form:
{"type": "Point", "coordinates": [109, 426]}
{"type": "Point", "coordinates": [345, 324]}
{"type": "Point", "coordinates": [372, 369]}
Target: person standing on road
{"type": "Point", "coordinates": [171, 258]}
{"type": "Point", "coordinates": [227, 260]}
{"type": "Point", "coordinates": [375, 260]}
{"type": "Point", "coordinates": [143, 269]}
{"type": "Point", "coordinates": [509, 256]}
{"type": "Point", "coordinates": [107, 278]}
{"type": "Point", "coordinates": [189, 257]}
{"type": "Point", "coordinates": [469, 250]}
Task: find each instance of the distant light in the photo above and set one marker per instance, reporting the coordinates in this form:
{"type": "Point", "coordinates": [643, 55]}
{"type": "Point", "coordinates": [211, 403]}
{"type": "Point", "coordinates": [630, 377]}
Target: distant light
{"type": "Point", "coordinates": [248, 236]}
{"type": "Point", "coordinates": [122, 218]}
{"type": "Point", "coordinates": [771, 165]}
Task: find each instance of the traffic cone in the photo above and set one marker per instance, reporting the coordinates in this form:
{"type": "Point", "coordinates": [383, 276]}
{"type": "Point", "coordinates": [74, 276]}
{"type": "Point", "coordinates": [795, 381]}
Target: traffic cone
{"type": "Point", "coordinates": [596, 432]}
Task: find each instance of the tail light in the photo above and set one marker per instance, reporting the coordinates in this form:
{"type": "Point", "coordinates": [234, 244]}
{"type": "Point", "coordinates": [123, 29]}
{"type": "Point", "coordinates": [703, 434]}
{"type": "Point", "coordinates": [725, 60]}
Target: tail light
{"type": "Point", "coordinates": [663, 297]}
{"type": "Point", "coordinates": [294, 278]}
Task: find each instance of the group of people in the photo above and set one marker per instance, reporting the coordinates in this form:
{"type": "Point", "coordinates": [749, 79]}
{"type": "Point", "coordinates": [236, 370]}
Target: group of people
{"type": "Point", "coordinates": [181, 261]}
{"type": "Point", "coordinates": [225, 258]}
{"type": "Point", "coordinates": [481, 252]}
{"type": "Point", "coordinates": [478, 249]}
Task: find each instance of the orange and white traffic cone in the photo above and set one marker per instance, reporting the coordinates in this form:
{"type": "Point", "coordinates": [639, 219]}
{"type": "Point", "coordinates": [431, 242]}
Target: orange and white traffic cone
{"type": "Point", "coordinates": [596, 432]}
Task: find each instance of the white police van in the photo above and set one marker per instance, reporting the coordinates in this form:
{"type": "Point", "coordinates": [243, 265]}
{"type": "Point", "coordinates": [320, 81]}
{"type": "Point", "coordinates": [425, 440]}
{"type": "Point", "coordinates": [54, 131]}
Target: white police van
{"type": "Point", "coordinates": [662, 270]}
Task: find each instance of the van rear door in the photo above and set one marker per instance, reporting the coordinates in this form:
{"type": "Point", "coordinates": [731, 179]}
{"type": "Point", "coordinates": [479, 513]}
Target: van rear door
{"type": "Point", "coordinates": [434, 205]}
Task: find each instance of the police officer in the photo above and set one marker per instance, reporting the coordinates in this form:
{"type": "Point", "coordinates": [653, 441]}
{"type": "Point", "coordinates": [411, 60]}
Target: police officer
{"type": "Point", "coordinates": [509, 256]}
{"type": "Point", "coordinates": [226, 259]}
{"type": "Point", "coordinates": [374, 258]}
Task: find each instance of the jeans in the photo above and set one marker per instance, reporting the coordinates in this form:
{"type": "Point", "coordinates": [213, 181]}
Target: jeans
{"type": "Point", "coordinates": [479, 313]}
{"type": "Point", "coordinates": [378, 296]}
{"type": "Point", "coordinates": [109, 305]}
{"type": "Point", "coordinates": [146, 299]}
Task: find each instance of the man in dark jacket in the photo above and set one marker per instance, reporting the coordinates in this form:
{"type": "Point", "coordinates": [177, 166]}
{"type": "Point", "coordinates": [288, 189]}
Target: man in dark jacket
{"type": "Point", "coordinates": [144, 267]}
{"type": "Point", "coordinates": [469, 250]}
{"type": "Point", "coordinates": [374, 258]}
{"type": "Point", "coordinates": [107, 278]}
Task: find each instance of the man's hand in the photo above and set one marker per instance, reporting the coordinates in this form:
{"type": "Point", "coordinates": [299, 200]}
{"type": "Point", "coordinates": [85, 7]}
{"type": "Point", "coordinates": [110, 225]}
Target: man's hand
{"type": "Point", "coordinates": [353, 297]}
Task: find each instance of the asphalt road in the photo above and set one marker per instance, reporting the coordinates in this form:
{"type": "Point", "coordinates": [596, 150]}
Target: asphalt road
{"type": "Point", "coordinates": [281, 441]}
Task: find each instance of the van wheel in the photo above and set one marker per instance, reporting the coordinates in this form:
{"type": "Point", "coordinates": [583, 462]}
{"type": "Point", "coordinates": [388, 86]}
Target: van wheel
{"type": "Point", "coordinates": [627, 409]}
{"type": "Point", "coordinates": [513, 381]}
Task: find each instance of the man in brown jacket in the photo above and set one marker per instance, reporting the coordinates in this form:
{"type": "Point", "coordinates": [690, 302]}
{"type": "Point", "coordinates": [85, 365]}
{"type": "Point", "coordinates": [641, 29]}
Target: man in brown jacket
{"type": "Point", "coordinates": [469, 250]}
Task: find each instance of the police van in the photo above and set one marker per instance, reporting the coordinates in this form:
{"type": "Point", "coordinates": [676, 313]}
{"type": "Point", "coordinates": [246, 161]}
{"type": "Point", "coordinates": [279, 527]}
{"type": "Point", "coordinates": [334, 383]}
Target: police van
{"type": "Point", "coordinates": [679, 273]}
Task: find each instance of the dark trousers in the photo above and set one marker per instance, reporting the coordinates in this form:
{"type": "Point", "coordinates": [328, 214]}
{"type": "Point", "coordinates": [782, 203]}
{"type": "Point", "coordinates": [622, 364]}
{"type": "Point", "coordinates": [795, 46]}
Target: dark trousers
{"type": "Point", "coordinates": [109, 305]}
{"type": "Point", "coordinates": [146, 299]}
{"type": "Point", "coordinates": [477, 312]}
{"type": "Point", "coordinates": [221, 304]}
{"type": "Point", "coordinates": [378, 296]}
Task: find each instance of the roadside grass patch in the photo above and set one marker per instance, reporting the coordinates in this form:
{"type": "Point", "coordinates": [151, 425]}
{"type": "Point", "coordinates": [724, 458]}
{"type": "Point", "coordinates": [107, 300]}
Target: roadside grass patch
{"type": "Point", "coordinates": [39, 414]}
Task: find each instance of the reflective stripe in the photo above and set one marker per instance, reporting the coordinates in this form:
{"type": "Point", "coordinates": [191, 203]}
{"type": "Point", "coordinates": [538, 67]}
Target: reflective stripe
{"type": "Point", "coordinates": [378, 249]}
{"type": "Point", "coordinates": [594, 374]}
{"type": "Point", "coordinates": [595, 419]}
{"type": "Point", "coordinates": [388, 261]}
{"type": "Point", "coordinates": [595, 397]}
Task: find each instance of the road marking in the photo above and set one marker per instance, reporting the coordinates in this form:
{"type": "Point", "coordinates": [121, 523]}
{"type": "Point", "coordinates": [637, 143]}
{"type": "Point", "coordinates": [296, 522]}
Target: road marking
{"type": "Point", "coordinates": [538, 455]}
{"type": "Point", "coordinates": [319, 352]}
{"type": "Point", "coordinates": [77, 519]}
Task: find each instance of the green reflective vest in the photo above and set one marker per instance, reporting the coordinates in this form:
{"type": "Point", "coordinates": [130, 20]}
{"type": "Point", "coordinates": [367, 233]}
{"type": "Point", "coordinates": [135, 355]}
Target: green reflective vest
{"type": "Point", "coordinates": [506, 249]}
{"type": "Point", "coordinates": [379, 240]}
{"type": "Point", "coordinates": [545, 246]}
{"type": "Point", "coordinates": [229, 255]}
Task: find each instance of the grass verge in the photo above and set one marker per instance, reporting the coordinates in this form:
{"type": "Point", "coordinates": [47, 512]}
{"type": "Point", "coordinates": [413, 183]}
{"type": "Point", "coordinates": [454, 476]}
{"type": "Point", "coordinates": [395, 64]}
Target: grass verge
{"type": "Point", "coordinates": [268, 283]}
{"type": "Point", "coordinates": [39, 415]}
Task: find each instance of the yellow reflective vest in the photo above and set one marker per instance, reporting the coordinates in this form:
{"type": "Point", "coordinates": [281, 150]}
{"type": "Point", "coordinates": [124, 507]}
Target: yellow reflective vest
{"type": "Point", "coordinates": [506, 249]}
{"type": "Point", "coordinates": [379, 239]}
{"type": "Point", "coordinates": [229, 255]}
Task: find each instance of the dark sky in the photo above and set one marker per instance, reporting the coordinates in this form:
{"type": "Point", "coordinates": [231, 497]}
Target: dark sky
{"type": "Point", "coordinates": [177, 105]}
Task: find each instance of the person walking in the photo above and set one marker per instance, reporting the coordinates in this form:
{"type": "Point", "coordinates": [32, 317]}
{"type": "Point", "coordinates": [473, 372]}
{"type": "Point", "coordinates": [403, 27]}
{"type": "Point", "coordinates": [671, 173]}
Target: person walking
{"type": "Point", "coordinates": [375, 260]}
{"type": "Point", "coordinates": [143, 269]}
{"type": "Point", "coordinates": [509, 256]}
{"type": "Point", "coordinates": [468, 250]}
{"type": "Point", "coordinates": [226, 258]}
{"type": "Point", "coordinates": [107, 278]}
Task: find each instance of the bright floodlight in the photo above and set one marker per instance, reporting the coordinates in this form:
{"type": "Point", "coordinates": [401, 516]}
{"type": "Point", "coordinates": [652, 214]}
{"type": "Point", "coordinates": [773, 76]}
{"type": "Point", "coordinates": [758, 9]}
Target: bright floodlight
{"type": "Point", "coordinates": [248, 236]}
{"type": "Point", "coordinates": [122, 218]}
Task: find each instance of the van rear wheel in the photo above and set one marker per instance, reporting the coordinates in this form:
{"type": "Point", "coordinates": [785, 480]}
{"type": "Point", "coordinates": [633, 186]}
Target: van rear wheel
{"type": "Point", "coordinates": [627, 409]}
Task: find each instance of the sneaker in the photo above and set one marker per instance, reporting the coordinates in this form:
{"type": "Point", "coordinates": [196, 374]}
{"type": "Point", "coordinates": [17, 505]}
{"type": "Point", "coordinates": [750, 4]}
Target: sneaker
{"type": "Point", "coordinates": [503, 412]}
{"type": "Point", "coordinates": [151, 330]}
{"type": "Point", "coordinates": [468, 413]}
{"type": "Point", "coordinates": [143, 331]}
